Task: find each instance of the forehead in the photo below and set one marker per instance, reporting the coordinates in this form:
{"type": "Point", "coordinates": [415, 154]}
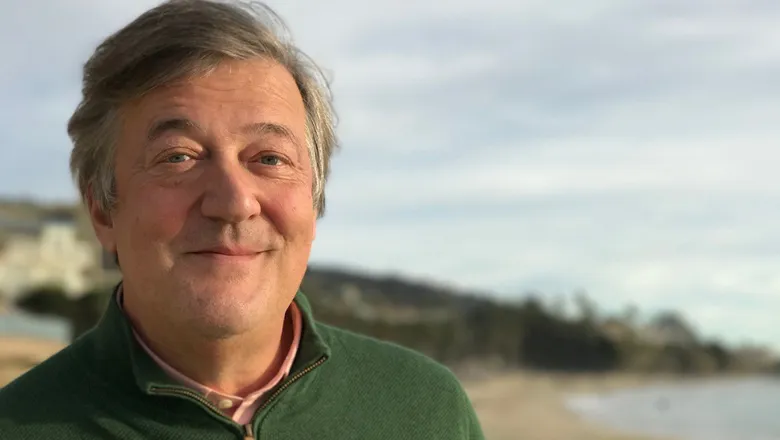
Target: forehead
{"type": "Point", "coordinates": [233, 94]}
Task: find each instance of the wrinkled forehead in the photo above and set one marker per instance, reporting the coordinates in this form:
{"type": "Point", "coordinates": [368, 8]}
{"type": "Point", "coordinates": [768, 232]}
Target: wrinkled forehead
{"type": "Point", "coordinates": [237, 97]}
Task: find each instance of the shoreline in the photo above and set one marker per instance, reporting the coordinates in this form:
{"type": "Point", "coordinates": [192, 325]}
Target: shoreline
{"type": "Point", "coordinates": [532, 405]}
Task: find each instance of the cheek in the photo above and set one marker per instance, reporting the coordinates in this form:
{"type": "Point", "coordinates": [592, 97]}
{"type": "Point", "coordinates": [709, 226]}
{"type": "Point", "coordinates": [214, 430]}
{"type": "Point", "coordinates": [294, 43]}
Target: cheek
{"type": "Point", "coordinates": [291, 211]}
{"type": "Point", "coordinates": [154, 216]}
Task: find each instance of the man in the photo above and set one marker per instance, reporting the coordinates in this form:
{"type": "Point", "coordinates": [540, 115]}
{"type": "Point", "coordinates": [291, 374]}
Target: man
{"type": "Point", "coordinates": [201, 149]}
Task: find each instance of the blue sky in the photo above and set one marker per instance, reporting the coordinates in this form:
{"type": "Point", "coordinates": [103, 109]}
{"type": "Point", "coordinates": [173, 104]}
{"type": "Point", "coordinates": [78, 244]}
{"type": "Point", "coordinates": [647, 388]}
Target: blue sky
{"type": "Point", "coordinates": [627, 148]}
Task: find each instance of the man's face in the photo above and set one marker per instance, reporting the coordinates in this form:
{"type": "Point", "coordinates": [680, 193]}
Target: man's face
{"type": "Point", "coordinates": [214, 220]}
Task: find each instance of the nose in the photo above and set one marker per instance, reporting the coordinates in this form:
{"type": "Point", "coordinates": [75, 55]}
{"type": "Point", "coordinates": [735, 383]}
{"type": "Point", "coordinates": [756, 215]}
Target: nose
{"type": "Point", "coordinates": [230, 195]}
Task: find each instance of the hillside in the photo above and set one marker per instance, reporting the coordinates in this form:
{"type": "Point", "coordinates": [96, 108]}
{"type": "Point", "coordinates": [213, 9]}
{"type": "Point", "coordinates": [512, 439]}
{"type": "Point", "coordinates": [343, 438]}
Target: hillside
{"type": "Point", "coordinates": [393, 290]}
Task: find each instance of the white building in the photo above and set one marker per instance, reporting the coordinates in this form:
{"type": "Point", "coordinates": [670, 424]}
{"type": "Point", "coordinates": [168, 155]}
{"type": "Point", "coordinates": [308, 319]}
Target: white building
{"type": "Point", "coordinates": [45, 254]}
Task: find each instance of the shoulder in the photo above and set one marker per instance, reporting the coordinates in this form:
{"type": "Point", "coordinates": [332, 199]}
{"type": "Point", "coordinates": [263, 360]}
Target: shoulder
{"type": "Point", "coordinates": [42, 383]}
{"type": "Point", "coordinates": [401, 381]}
{"type": "Point", "coordinates": [54, 399]}
{"type": "Point", "coordinates": [407, 369]}
{"type": "Point", "coordinates": [371, 350]}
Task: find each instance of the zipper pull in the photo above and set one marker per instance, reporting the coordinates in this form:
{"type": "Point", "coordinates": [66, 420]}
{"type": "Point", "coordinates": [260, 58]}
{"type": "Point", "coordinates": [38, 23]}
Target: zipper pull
{"type": "Point", "coordinates": [248, 431]}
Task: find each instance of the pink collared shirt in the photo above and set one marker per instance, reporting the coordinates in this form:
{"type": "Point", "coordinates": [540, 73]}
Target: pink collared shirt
{"type": "Point", "coordinates": [240, 409]}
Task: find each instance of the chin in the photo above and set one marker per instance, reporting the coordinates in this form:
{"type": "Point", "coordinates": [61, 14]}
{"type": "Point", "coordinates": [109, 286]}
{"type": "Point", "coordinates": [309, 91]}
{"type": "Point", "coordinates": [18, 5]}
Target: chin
{"type": "Point", "coordinates": [218, 328]}
{"type": "Point", "coordinates": [222, 309]}
{"type": "Point", "coordinates": [222, 319]}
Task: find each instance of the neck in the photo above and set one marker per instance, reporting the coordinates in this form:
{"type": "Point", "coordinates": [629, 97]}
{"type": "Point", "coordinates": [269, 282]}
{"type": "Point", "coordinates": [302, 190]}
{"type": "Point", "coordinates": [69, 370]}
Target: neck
{"type": "Point", "coordinates": [237, 365]}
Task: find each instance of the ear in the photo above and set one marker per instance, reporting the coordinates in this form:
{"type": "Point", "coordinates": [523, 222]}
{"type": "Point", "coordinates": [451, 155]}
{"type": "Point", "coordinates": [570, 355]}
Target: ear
{"type": "Point", "coordinates": [102, 223]}
{"type": "Point", "coordinates": [314, 228]}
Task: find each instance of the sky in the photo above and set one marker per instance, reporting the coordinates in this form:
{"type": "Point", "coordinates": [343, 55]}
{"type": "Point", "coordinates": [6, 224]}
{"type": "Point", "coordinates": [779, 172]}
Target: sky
{"type": "Point", "coordinates": [505, 146]}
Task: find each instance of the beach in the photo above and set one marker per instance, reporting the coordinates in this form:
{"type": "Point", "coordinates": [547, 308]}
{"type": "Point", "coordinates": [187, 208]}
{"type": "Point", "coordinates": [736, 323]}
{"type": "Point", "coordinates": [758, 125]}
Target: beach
{"type": "Point", "coordinates": [512, 405]}
{"type": "Point", "coordinates": [531, 406]}
{"type": "Point", "coordinates": [18, 354]}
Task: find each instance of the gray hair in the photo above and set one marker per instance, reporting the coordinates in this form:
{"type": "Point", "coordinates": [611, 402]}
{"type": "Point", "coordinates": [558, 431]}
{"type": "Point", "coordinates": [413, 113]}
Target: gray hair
{"type": "Point", "coordinates": [180, 39]}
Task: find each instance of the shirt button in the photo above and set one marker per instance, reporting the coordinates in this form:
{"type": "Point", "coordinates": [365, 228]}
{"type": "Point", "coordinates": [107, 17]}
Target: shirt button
{"type": "Point", "coordinates": [225, 404]}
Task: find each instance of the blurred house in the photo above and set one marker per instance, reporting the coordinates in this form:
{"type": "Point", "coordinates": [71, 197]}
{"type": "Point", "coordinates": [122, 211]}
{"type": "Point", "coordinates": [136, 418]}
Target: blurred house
{"type": "Point", "coordinates": [752, 355]}
{"type": "Point", "coordinates": [619, 331]}
{"type": "Point", "coordinates": [45, 251]}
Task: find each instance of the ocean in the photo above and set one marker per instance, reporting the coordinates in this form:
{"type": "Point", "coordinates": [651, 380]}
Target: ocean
{"type": "Point", "coordinates": [22, 324]}
{"type": "Point", "coordinates": [727, 409]}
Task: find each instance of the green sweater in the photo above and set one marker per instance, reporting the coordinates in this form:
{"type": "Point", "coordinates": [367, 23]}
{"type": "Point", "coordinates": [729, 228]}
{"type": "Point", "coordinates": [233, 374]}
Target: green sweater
{"type": "Point", "coordinates": [342, 386]}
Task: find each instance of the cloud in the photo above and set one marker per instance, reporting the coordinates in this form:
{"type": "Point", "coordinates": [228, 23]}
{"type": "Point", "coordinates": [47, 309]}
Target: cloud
{"type": "Point", "coordinates": [628, 148]}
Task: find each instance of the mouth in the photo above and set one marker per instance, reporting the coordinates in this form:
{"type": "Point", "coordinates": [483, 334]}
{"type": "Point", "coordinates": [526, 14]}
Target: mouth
{"type": "Point", "coordinates": [231, 254]}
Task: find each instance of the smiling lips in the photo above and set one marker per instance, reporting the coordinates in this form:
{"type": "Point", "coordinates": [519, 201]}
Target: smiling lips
{"type": "Point", "coordinates": [228, 252]}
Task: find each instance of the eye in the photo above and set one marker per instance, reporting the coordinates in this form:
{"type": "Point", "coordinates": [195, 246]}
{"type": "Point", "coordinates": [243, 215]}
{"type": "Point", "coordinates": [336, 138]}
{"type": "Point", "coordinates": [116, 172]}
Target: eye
{"type": "Point", "coordinates": [177, 158]}
{"type": "Point", "coordinates": [270, 159]}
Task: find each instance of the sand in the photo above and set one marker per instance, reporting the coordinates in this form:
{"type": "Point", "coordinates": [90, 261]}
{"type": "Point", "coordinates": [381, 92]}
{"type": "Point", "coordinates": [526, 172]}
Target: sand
{"type": "Point", "coordinates": [18, 354]}
{"type": "Point", "coordinates": [511, 406]}
{"type": "Point", "coordinates": [528, 406]}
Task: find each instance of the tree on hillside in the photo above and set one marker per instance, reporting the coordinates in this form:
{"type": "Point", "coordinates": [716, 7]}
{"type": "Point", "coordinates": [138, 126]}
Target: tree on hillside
{"type": "Point", "coordinates": [587, 309]}
{"type": "Point", "coordinates": [45, 300]}
{"type": "Point", "coordinates": [630, 316]}
{"type": "Point", "coordinates": [719, 353]}
{"type": "Point", "coordinates": [82, 312]}
{"type": "Point", "coordinates": [670, 327]}
{"type": "Point", "coordinates": [87, 311]}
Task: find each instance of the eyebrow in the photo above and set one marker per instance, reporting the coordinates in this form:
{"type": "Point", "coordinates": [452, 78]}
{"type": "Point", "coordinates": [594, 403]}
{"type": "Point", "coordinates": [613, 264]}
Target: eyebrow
{"type": "Point", "coordinates": [188, 126]}
{"type": "Point", "coordinates": [176, 124]}
{"type": "Point", "coordinates": [261, 128]}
